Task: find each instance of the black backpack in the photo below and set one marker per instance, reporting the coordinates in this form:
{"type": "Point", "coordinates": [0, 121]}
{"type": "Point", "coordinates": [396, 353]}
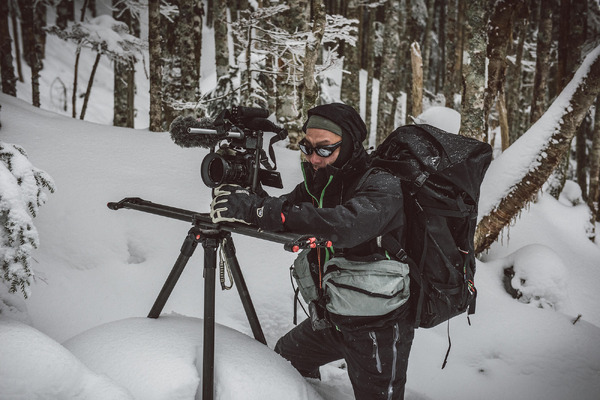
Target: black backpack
{"type": "Point", "coordinates": [441, 174]}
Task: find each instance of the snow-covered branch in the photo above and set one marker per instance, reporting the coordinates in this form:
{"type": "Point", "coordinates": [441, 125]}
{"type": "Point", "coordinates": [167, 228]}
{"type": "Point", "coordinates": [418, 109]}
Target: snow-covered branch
{"type": "Point", "coordinates": [105, 35]}
{"type": "Point", "coordinates": [517, 175]}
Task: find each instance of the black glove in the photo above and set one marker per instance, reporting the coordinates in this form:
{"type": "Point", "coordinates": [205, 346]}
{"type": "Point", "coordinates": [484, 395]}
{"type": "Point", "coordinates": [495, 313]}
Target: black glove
{"type": "Point", "coordinates": [233, 203]}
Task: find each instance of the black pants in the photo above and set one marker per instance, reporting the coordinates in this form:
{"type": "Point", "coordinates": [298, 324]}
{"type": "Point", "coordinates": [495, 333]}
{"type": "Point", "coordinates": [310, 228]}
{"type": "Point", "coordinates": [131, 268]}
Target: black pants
{"type": "Point", "coordinates": [377, 359]}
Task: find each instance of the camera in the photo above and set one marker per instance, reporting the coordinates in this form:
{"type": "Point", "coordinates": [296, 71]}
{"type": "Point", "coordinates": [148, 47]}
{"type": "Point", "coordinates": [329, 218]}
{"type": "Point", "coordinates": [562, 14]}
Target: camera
{"type": "Point", "coordinates": [235, 138]}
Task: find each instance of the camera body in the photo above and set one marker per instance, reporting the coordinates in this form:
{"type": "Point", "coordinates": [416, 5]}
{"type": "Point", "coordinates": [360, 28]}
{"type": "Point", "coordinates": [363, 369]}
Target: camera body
{"type": "Point", "coordinates": [235, 138]}
{"type": "Point", "coordinates": [236, 162]}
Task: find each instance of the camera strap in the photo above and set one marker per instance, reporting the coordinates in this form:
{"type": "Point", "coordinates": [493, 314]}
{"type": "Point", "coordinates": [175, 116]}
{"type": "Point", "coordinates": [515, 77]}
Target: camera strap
{"type": "Point", "coordinates": [282, 134]}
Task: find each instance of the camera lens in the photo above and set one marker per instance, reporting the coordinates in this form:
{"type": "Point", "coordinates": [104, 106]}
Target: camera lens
{"type": "Point", "coordinates": [216, 170]}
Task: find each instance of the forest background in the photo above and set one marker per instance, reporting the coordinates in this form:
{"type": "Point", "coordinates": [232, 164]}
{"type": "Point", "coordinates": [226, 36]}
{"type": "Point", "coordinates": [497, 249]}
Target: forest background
{"type": "Point", "coordinates": [500, 64]}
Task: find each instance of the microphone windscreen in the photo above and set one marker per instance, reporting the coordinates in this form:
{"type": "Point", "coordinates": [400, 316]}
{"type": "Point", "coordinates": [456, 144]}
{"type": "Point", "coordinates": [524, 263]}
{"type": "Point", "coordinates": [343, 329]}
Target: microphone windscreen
{"type": "Point", "coordinates": [180, 135]}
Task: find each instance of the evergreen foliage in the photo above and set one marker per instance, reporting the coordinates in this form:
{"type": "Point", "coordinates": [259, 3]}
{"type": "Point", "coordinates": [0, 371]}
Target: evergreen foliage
{"type": "Point", "coordinates": [21, 196]}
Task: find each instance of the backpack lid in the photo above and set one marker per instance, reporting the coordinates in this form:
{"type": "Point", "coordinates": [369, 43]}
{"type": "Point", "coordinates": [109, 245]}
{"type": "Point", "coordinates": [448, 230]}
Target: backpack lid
{"type": "Point", "coordinates": [415, 152]}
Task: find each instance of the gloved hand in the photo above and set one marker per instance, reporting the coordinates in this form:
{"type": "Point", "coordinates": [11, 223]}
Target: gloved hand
{"type": "Point", "coordinates": [233, 203]}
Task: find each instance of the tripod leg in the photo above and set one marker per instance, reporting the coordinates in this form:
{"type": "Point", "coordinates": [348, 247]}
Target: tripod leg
{"type": "Point", "coordinates": [208, 366]}
{"type": "Point", "coordinates": [240, 283]}
{"type": "Point", "coordinates": [187, 249]}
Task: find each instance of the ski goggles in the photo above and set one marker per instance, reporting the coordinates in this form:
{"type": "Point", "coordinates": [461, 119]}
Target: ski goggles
{"type": "Point", "coordinates": [322, 151]}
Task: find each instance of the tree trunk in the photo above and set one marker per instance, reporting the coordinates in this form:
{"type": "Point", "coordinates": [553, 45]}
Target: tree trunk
{"type": "Point", "coordinates": [39, 32]}
{"type": "Point", "coordinates": [388, 87]}
{"type": "Point", "coordinates": [13, 15]}
{"type": "Point", "coordinates": [514, 78]}
{"type": "Point", "coordinates": [581, 171]}
{"type": "Point", "coordinates": [124, 74]}
{"type": "Point", "coordinates": [75, 73]}
{"type": "Point", "coordinates": [154, 40]}
{"type": "Point", "coordinates": [441, 32]}
{"type": "Point", "coordinates": [350, 91]}
{"type": "Point", "coordinates": [369, 56]}
{"type": "Point", "coordinates": [594, 192]}
{"type": "Point", "coordinates": [499, 36]}
{"type": "Point", "coordinates": [32, 41]}
{"type": "Point", "coordinates": [427, 45]}
{"type": "Point", "coordinates": [417, 78]}
{"type": "Point", "coordinates": [221, 45]}
{"type": "Point", "coordinates": [198, 10]}
{"type": "Point", "coordinates": [76, 69]}
{"type": "Point", "coordinates": [186, 34]}
{"type": "Point", "coordinates": [88, 91]}
{"type": "Point", "coordinates": [451, 78]}
{"type": "Point", "coordinates": [289, 109]}
{"type": "Point", "coordinates": [572, 29]}
{"type": "Point", "coordinates": [564, 115]}
{"type": "Point", "coordinates": [564, 27]}
{"type": "Point", "coordinates": [473, 74]}
{"type": "Point", "coordinates": [27, 29]}
{"type": "Point", "coordinates": [503, 119]}
{"type": "Point", "coordinates": [9, 80]}
{"type": "Point", "coordinates": [313, 47]}
{"type": "Point", "coordinates": [65, 13]}
{"type": "Point", "coordinates": [542, 64]}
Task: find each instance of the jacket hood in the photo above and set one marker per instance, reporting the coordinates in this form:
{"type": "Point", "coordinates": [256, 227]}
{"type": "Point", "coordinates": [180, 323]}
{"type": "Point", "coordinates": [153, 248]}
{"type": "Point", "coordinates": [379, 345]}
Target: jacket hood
{"type": "Point", "coordinates": [343, 115]}
{"type": "Point", "coordinates": [352, 126]}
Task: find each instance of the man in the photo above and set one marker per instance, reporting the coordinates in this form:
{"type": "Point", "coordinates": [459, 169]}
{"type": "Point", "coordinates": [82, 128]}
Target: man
{"type": "Point", "coordinates": [344, 201]}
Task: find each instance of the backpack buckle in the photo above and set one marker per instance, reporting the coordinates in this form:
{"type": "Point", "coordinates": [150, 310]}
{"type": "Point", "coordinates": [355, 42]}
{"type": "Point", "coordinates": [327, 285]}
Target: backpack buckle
{"type": "Point", "coordinates": [402, 255]}
{"type": "Point", "coordinates": [420, 180]}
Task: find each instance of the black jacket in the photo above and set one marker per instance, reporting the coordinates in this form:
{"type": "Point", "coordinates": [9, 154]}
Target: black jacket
{"type": "Point", "coordinates": [344, 204]}
{"type": "Point", "coordinates": [352, 206]}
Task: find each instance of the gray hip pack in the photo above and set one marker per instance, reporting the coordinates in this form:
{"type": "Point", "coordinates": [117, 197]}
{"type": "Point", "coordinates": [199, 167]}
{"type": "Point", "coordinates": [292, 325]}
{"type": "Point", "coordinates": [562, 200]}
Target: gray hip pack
{"type": "Point", "coordinates": [356, 288]}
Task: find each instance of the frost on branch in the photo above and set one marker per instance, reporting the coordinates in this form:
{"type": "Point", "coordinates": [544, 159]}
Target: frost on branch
{"type": "Point", "coordinates": [21, 195]}
{"type": "Point", "coordinates": [105, 35]}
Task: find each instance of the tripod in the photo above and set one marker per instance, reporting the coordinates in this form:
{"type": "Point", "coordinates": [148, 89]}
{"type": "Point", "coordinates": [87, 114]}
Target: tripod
{"type": "Point", "coordinates": [212, 236]}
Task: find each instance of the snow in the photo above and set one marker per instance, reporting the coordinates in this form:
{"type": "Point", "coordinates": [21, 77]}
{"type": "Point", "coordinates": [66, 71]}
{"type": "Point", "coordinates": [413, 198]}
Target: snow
{"type": "Point", "coordinates": [440, 117]}
{"type": "Point", "coordinates": [83, 333]}
{"type": "Point", "coordinates": [99, 271]}
{"type": "Point", "coordinates": [131, 360]}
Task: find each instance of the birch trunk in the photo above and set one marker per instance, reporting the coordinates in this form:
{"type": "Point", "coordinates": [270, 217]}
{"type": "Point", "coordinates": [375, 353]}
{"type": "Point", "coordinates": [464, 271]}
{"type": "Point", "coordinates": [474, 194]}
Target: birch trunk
{"type": "Point", "coordinates": [564, 116]}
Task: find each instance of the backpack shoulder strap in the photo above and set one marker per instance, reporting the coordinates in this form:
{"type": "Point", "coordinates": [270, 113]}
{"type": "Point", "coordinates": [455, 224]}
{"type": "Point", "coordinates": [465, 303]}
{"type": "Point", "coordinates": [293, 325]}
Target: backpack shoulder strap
{"type": "Point", "coordinates": [363, 179]}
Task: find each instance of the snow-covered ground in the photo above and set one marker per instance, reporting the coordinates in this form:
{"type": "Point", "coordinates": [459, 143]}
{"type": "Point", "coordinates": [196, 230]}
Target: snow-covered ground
{"type": "Point", "coordinates": [98, 272]}
{"type": "Point", "coordinates": [83, 334]}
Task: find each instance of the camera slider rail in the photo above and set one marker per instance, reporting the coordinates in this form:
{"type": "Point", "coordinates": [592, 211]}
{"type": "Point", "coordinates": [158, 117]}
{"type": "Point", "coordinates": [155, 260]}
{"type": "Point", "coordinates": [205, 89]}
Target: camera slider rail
{"type": "Point", "coordinates": [291, 242]}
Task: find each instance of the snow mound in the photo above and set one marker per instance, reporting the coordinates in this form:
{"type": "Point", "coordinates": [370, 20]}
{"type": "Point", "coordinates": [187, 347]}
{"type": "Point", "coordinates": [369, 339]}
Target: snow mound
{"type": "Point", "coordinates": [161, 359]}
{"type": "Point", "coordinates": [36, 367]}
{"type": "Point", "coordinates": [540, 276]}
{"type": "Point", "coordinates": [440, 117]}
